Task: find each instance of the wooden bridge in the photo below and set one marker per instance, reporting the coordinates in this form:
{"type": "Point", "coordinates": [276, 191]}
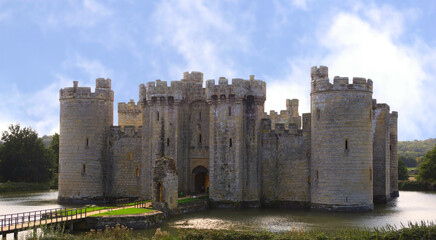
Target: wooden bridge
{"type": "Point", "coordinates": [16, 222]}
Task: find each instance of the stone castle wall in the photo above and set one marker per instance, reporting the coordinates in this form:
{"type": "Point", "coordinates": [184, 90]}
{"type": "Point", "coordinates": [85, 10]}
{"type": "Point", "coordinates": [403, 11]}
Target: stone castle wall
{"type": "Point", "coordinates": [393, 137]}
{"type": "Point", "coordinates": [328, 158]}
{"type": "Point", "coordinates": [285, 165]}
{"type": "Point", "coordinates": [85, 119]}
{"type": "Point", "coordinates": [381, 153]}
{"type": "Point", "coordinates": [129, 114]}
{"type": "Point", "coordinates": [125, 165]}
{"type": "Point", "coordinates": [342, 142]}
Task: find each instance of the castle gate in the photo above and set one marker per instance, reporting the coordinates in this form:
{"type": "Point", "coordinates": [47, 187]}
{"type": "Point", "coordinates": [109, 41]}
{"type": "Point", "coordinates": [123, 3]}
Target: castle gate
{"type": "Point", "coordinates": [201, 179]}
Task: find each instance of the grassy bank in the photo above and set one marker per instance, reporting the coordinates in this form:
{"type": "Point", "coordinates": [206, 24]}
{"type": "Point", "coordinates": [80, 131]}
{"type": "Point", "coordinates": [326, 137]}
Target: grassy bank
{"type": "Point", "coordinates": [411, 231]}
{"type": "Point", "coordinates": [123, 212]}
{"type": "Point", "coordinates": [23, 187]}
{"type": "Point", "coordinates": [407, 185]}
{"type": "Point", "coordinates": [184, 200]}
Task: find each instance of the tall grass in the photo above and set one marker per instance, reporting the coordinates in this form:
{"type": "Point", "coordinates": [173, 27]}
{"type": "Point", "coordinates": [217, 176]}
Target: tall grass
{"type": "Point", "coordinates": [423, 230]}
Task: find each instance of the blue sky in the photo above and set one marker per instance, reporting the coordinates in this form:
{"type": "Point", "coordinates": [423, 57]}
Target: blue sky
{"type": "Point", "coordinates": [45, 45]}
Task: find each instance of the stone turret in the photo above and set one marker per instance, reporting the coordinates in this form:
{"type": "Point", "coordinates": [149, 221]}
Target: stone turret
{"type": "Point", "coordinates": [85, 120]}
{"type": "Point", "coordinates": [341, 145]}
{"type": "Point", "coordinates": [393, 149]}
{"type": "Point", "coordinates": [235, 114]}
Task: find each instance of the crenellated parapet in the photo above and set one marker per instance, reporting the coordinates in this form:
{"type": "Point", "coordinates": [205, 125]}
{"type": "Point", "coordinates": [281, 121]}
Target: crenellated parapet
{"type": "Point", "coordinates": [129, 107]}
{"type": "Point", "coordinates": [288, 116]}
{"type": "Point", "coordinates": [321, 82]}
{"type": "Point", "coordinates": [130, 114]}
{"type": "Point", "coordinates": [102, 91]}
{"type": "Point", "coordinates": [118, 132]}
{"type": "Point", "coordinates": [239, 89]}
{"type": "Point", "coordinates": [160, 90]}
{"type": "Point", "coordinates": [268, 127]}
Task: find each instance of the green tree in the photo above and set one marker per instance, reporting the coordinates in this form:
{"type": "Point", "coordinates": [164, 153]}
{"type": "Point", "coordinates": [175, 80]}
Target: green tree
{"type": "Point", "coordinates": [54, 147]}
{"type": "Point", "coordinates": [54, 150]}
{"type": "Point", "coordinates": [427, 169]}
{"type": "Point", "coordinates": [402, 170]}
{"type": "Point", "coordinates": [24, 157]}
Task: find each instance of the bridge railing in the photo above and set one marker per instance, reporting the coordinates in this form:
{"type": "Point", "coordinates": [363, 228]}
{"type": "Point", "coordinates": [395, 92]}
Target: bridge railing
{"type": "Point", "coordinates": [26, 220]}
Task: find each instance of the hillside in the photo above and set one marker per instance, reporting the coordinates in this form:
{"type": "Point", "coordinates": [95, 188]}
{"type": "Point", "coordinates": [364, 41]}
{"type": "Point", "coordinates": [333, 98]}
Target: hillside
{"type": "Point", "coordinates": [414, 151]}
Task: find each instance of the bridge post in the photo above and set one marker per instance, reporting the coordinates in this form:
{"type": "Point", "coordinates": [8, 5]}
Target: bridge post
{"type": "Point", "coordinates": [71, 228]}
{"type": "Point", "coordinates": [3, 236]}
{"type": "Point", "coordinates": [16, 234]}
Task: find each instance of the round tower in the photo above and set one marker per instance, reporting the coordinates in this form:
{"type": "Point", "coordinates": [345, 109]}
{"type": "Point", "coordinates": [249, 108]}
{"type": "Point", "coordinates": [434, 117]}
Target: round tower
{"type": "Point", "coordinates": [341, 143]}
{"type": "Point", "coordinates": [85, 118]}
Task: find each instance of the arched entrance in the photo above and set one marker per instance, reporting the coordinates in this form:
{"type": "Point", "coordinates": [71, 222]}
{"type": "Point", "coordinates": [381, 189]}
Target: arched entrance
{"type": "Point", "coordinates": [201, 179]}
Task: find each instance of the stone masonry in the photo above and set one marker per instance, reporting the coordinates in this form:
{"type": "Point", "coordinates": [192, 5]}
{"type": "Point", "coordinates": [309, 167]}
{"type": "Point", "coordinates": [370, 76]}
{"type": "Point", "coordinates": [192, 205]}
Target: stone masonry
{"type": "Point", "coordinates": [340, 156]}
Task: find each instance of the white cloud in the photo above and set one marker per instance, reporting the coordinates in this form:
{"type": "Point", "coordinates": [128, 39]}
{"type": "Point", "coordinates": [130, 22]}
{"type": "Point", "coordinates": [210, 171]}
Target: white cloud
{"type": "Point", "coordinates": [202, 33]}
{"type": "Point", "coordinates": [300, 3]}
{"type": "Point", "coordinates": [366, 43]}
{"type": "Point", "coordinates": [294, 85]}
{"type": "Point", "coordinates": [40, 109]}
{"type": "Point", "coordinates": [370, 48]}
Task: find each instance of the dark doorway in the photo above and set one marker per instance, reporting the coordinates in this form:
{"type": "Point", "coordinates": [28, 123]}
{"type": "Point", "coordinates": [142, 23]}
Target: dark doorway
{"type": "Point", "coordinates": [159, 193]}
{"type": "Point", "coordinates": [201, 179]}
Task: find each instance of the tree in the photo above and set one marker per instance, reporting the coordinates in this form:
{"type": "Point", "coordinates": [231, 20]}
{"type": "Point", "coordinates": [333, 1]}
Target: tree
{"type": "Point", "coordinates": [24, 157]}
{"type": "Point", "coordinates": [54, 146]}
{"type": "Point", "coordinates": [402, 170]}
{"type": "Point", "coordinates": [427, 169]}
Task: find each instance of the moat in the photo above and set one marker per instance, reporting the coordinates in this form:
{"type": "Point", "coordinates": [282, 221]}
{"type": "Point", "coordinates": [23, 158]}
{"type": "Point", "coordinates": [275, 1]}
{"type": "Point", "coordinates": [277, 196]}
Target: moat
{"type": "Point", "coordinates": [410, 206]}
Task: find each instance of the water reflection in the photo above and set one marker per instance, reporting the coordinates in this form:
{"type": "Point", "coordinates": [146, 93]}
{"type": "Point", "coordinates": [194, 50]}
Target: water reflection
{"type": "Point", "coordinates": [28, 201]}
{"type": "Point", "coordinates": [409, 207]}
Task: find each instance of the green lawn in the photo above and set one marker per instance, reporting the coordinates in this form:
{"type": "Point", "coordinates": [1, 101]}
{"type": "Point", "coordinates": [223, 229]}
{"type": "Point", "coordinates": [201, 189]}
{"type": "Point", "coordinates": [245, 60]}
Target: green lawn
{"type": "Point", "coordinates": [124, 212]}
{"type": "Point", "coordinates": [183, 200]}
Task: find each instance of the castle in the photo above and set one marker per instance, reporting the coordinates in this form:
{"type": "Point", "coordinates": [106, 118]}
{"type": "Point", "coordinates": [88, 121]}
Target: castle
{"type": "Point", "coordinates": [340, 156]}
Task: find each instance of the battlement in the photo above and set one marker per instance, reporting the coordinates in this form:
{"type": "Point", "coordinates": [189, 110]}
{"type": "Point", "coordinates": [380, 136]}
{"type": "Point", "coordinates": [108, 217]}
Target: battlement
{"type": "Point", "coordinates": [129, 107]}
{"type": "Point", "coordinates": [239, 88]}
{"type": "Point", "coordinates": [394, 114]}
{"type": "Point", "coordinates": [280, 128]}
{"type": "Point", "coordinates": [321, 72]}
{"type": "Point", "coordinates": [126, 131]}
{"type": "Point", "coordinates": [102, 91]}
{"type": "Point", "coordinates": [341, 84]}
{"type": "Point", "coordinates": [383, 106]}
{"type": "Point", "coordinates": [193, 77]}
{"type": "Point", "coordinates": [160, 89]}
{"type": "Point", "coordinates": [103, 83]}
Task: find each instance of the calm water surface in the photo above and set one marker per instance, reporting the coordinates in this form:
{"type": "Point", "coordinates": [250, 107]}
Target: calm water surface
{"type": "Point", "coordinates": [409, 207]}
{"type": "Point", "coordinates": [29, 201]}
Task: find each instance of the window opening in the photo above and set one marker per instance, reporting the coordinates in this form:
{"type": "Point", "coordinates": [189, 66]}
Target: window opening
{"type": "Point", "coordinates": [317, 176]}
{"type": "Point", "coordinates": [130, 156]}
{"type": "Point", "coordinates": [199, 115]}
{"type": "Point", "coordinates": [168, 142]}
{"type": "Point", "coordinates": [84, 168]}
{"type": "Point", "coordinates": [87, 142]}
{"type": "Point", "coordinates": [137, 172]}
{"type": "Point", "coordinates": [230, 143]}
{"type": "Point", "coordinates": [199, 138]}
{"type": "Point", "coordinates": [346, 144]}
{"type": "Point", "coordinates": [157, 116]}
{"type": "Point", "coordinates": [318, 114]}
{"type": "Point", "coordinates": [230, 111]}
{"type": "Point", "coordinates": [370, 174]}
